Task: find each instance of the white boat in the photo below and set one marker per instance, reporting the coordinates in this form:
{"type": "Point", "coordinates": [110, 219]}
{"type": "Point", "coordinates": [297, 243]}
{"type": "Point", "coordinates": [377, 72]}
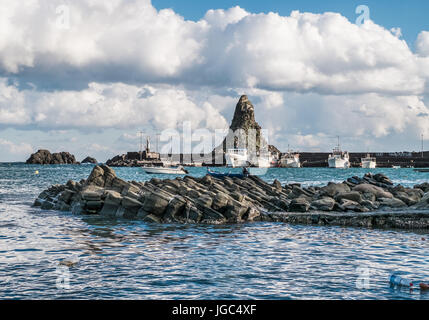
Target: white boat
{"type": "Point", "coordinates": [290, 160]}
{"type": "Point", "coordinates": [264, 160]}
{"type": "Point", "coordinates": [369, 162]}
{"type": "Point", "coordinates": [165, 170]}
{"type": "Point", "coordinates": [237, 158]}
{"type": "Point", "coordinates": [339, 159]}
{"type": "Point", "coordinates": [396, 167]}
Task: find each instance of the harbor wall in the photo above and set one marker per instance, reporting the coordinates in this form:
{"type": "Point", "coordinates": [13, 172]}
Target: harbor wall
{"type": "Point", "coordinates": [308, 159]}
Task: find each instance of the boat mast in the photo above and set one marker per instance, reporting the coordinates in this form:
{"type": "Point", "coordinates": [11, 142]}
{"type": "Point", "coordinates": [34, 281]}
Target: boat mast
{"type": "Point", "coordinates": [157, 143]}
{"type": "Point", "coordinates": [147, 144]}
{"type": "Point", "coordinates": [141, 144]}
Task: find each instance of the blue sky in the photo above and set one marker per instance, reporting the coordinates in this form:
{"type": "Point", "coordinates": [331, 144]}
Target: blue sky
{"type": "Point", "coordinates": [411, 16]}
{"type": "Point", "coordinates": [86, 76]}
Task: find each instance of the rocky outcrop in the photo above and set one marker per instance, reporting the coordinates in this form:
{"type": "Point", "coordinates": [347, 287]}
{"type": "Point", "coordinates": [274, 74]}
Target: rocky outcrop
{"type": "Point", "coordinates": [90, 160]}
{"type": "Point", "coordinates": [45, 157]}
{"type": "Point", "coordinates": [210, 200]}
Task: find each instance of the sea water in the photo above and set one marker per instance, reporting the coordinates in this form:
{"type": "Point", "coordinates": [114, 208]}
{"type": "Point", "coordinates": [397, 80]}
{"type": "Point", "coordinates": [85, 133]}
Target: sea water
{"type": "Point", "coordinates": [57, 255]}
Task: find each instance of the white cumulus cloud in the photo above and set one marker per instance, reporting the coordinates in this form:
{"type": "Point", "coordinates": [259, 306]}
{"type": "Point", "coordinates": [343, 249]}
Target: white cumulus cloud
{"type": "Point", "coordinates": [103, 106]}
{"type": "Point", "coordinates": [130, 41]}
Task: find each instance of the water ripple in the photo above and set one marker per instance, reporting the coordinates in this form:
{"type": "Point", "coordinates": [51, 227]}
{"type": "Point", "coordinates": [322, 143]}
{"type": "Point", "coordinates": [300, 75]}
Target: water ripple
{"type": "Point", "coordinates": [119, 259]}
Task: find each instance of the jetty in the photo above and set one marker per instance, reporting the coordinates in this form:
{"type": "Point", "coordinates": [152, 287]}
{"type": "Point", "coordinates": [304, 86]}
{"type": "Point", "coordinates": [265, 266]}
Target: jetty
{"type": "Point", "coordinates": [370, 201]}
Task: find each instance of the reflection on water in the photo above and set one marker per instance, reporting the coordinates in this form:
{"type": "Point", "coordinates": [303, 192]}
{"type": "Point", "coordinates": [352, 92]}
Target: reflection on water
{"type": "Point", "coordinates": [119, 259]}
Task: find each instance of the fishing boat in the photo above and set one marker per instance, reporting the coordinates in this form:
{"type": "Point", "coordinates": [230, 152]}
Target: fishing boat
{"type": "Point", "coordinates": [339, 159]}
{"type": "Point", "coordinates": [264, 160]}
{"type": "Point", "coordinates": [369, 162]}
{"type": "Point", "coordinates": [237, 158]}
{"type": "Point", "coordinates": [165, 170]}
{"type": "Point", "coordinates": [223, 175]}
{"type": "Point", "coordinates": [290, 160]}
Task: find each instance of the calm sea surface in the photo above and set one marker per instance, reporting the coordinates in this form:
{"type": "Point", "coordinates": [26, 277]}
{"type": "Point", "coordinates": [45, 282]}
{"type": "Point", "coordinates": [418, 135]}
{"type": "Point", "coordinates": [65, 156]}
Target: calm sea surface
{"type": "Point", "coordinates": [120, 259]}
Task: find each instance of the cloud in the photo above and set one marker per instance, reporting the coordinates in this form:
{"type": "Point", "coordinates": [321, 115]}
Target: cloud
{"type": "Point", "coordinates": [422, 44]}
{"type": "Point", "coordinates": [130, 41]}
{"type": "Point", "coordinates": [220, 19]}
{"type": "Point", "coordinates": [102, 106]}
{"type": "Point", "coordinates": [11, 149]}
{"type": "Point", "coordinates": [130, 34]}
{"type": "Point", "coordinates": [313, 121]}
{"type": "Point", "coordinates": [122, 64]}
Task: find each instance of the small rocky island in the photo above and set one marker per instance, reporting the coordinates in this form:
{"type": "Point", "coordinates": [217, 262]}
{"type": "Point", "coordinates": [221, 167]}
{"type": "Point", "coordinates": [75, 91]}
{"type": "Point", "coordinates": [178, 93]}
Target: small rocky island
{"type": "Point", "coordinates": [371, 201]}
{"type": "Point", "coordinates": [46, 157]}
{"type": "Point", "coordinates": [89, 160]}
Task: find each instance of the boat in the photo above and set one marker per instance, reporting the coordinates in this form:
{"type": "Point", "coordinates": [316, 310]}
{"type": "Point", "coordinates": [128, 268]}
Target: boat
{"type": "Point", "coordinates": [396, 167]}
{"type": "Point", "coordinates": [224, 175]}
{"type": "Point", "coordinates": [339, 159]}
{"type": "Point", "coordinates": [264, 160]}
{"type": "Point", "coordinates": [240, 158]}
{"type": "Point", "coordinates": [421, 170]}
{"type": "Point", "coordinates": [237, 158]}
{"type": "Point", "coordinates": [290, 160]}
{"type": "Point", "coordinates": [369, 162]}
{"type": "Point", "coordinates": [165, 170]}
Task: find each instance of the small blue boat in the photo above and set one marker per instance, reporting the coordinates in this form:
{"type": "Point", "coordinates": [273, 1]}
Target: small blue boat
{"type": "Point", "coordinates": [223, 175]}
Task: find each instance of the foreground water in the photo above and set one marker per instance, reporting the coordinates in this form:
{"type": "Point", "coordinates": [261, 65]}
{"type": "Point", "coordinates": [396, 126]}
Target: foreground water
{"type": "Point", "coordinates": [120, 259]}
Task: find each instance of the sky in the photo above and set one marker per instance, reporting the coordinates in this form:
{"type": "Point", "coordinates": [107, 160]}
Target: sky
{"type": "Point", "coordinates": [88, 76]}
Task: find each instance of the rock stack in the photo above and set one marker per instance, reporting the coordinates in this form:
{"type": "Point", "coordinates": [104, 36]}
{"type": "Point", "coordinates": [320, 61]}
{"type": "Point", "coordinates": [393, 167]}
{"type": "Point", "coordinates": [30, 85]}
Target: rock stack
{"type": "Point", "coordinates": [245, 132]}
{"type": "Point", "coordinates": [210, 200]}
{"type": "Point", "coordinates": [45, 157]}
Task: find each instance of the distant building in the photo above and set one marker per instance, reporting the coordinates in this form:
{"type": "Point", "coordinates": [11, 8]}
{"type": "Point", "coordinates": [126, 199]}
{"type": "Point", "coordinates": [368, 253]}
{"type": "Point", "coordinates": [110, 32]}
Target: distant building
{"type": "Point", "coordinates": [149, 155]}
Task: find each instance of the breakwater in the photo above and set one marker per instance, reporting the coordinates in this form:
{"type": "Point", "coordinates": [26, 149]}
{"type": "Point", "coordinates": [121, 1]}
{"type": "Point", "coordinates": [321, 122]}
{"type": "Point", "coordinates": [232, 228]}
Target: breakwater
{"type": "Point", "coordinates": [208, 200]}
{"type": "Point", "coordinates": [308, 159]}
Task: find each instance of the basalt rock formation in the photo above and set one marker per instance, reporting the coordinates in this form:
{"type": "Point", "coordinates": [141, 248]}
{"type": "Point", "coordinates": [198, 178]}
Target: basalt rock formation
{"type": "Point", "coordinates": [245, 132]}
{"type": "Point", "coordinates": [45, 157]}
{"type": "Point", "coordinates": [244, 115]}
{"type": "Point", "coordinates": [371, 201]}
